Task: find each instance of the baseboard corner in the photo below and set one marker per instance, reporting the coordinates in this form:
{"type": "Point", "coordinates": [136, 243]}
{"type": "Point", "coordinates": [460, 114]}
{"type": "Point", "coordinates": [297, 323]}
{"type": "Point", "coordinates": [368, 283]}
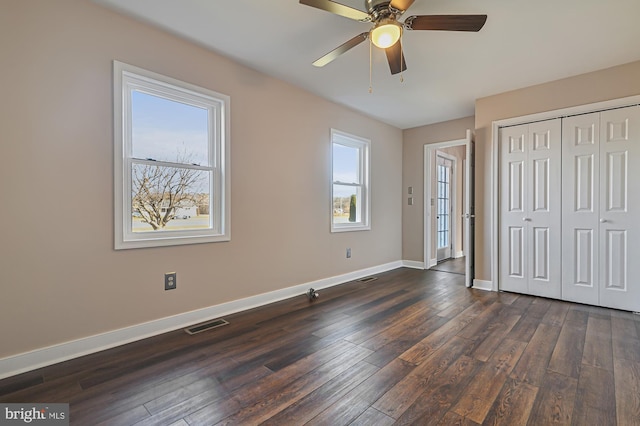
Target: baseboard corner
{"type": "Point", "coordinates": [413, 264]}
{"type": "Point", "coordinates": [483, 285]}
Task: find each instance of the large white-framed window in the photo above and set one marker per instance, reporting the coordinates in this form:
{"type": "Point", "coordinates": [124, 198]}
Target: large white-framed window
{"type": "Point", "coordinates": [171, 161]}
{"type": "Point", "coordinates": [350, 190]}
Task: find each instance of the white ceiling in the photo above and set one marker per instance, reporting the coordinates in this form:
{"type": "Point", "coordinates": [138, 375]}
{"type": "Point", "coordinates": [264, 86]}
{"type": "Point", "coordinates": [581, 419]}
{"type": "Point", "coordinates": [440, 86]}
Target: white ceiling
{"type": "Point", "coordinates": [523, 43]}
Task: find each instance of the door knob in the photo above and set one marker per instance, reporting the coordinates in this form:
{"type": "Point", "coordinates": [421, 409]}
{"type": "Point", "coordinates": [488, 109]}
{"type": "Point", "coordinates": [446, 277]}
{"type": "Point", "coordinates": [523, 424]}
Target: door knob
{"type": "Point", "coordinates": [603, 220]}
{"type": "Point", "coordinates": [526, 219]}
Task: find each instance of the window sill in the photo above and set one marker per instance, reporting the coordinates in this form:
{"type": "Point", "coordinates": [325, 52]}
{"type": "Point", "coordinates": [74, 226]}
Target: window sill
{"type": "Point", "coordinates": [352, 228]}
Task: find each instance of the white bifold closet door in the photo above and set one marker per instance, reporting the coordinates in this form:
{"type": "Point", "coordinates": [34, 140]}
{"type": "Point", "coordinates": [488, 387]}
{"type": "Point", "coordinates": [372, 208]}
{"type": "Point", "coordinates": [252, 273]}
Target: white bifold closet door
{"type": "Point", "coordinates": [601, 208]}
{"type": "Point", "coordinates": [530, 206]}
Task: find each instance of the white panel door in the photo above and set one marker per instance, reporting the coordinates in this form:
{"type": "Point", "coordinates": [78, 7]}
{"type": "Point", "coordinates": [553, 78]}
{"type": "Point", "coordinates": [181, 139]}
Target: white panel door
{"type": "Point", "coordinates": [530, 211]}
{"type": "Point", "coordinates": [513, 241]}
{"type": "Point", "coordinates": [543, 198]}
{"type": "Point", "coordinates": [580, 208]}
{"type": "Point", "coordinates": [620, 208]}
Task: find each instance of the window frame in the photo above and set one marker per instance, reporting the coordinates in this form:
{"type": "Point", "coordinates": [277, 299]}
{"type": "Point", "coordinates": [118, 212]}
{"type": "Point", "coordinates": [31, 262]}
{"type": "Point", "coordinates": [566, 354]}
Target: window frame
{"type": "Point", "coordinates": [364, 158]}
{"type": "Point", "coordinates": [128, 78]}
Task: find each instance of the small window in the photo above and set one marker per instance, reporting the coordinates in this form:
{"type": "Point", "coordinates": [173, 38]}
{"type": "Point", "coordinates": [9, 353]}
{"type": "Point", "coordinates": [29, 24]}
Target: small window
{"type": "Point", "coordinates": [350, 201]}
{"type": "Point", "coordinates": [171, 161]}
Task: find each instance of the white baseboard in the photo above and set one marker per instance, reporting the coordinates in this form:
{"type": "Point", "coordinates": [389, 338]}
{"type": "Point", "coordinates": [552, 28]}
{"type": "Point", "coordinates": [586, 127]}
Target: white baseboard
{"type": "Point", "coordinates": [432, 263]}
{"type": "Point", "coordinates": [459, 254]}
{"type": "Point", "coordinates": [413, 264]}
{"type": "Point", "coordinates": [483, 285]}
{"type": "Point", "coordinates": [38, 358]}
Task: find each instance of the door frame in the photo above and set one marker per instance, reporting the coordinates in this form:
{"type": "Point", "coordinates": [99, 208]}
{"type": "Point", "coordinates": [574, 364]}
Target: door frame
{"type": "Point", "coordinates": [428, 151]}
{"type": "Point", "coordinates": [453, 182]}
{"type": "Point", "coordinates": [495, 162]}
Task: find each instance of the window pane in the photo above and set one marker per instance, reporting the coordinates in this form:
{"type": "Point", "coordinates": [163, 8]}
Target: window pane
{"type": "Point", "coordinates": [166, 130]}
{"type": "Point", "coordinates": [346, 164]}
{"type": "Point", "coordinates": [169, 199]}
{"type": "Point", "coordinates": [347, 204]}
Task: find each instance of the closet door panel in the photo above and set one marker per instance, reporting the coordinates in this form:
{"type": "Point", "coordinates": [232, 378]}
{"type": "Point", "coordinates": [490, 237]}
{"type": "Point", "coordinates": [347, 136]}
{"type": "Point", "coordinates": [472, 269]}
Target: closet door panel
{"type": "Point", "coordinates": [580, 211]}
{"type": "Point", "coordinates": [544, 208]}
{"type": "Point", "coordinates": [516, 252]}
{"type": "Point", "coordinates": [516, 186]}
{"type": "Point", "coordinates": [616, 260]}
{"type": "Point", "coordinates": [617, 181]}
{"type": "Point", "coordinates": [585, 260]}
{"type": "Point", "coordinates": [540, 266]}
{"type": "Point", "coordinates": [620, 208]}
{"type": "Point", "coordinates": [513, 237]}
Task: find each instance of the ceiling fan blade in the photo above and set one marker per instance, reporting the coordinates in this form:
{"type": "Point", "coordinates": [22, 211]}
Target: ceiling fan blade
{"type": "Point", "coordinates": [396, 58]}
{"type": "Point", "coordinates": [338, 9]}
{"type": "Point", "coordinates": [401, 5]}
{"type": "Point", "coordinates": [446, 22]}
{"type": "Point", "coordinates": [340, 50]}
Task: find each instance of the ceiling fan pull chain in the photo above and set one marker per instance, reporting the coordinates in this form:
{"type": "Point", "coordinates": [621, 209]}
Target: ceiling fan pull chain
{"type": "Point", "coordinates": [370, 66]}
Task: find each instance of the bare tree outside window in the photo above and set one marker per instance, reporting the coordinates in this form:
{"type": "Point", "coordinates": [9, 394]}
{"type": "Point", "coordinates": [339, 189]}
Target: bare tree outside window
{"type": "Point", "coordinates": [158, 191]}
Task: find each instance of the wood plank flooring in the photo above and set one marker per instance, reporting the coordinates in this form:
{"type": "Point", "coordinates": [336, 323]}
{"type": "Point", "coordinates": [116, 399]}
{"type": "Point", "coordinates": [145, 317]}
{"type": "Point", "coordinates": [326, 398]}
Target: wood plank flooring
{"type": "Point", "coordinates": [412, 347]}
{"type": "Point", "coordinates": [455, 266]}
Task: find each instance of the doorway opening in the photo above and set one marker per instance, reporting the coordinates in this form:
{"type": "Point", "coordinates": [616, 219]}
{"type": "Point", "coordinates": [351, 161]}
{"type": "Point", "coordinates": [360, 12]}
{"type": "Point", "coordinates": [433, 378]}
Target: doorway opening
{"type": "Point", "coordinates": [448, 207]}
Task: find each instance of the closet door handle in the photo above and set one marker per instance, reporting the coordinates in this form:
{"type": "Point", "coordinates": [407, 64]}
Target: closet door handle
{"type": "Point", "coordinates": [526, 219]}
{"type": "Point", "coordinates": [603, 220]}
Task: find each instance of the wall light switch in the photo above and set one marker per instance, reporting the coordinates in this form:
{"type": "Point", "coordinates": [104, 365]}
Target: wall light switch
{"type": "Point", "coordinates": [410, 190]}
{"type": "Point", "coordinates": [410, 201]}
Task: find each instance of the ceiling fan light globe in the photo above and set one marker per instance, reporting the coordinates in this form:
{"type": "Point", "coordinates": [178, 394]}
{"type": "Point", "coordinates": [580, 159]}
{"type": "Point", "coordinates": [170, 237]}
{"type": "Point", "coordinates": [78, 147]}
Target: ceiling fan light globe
{"type": "Point", "coordinates": [386, 35]}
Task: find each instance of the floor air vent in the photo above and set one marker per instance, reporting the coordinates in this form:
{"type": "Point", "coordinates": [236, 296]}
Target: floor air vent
{"type": "Point", "coordinates": [366, 280]}
{"type": "Point", "coordinates": [199, 328]}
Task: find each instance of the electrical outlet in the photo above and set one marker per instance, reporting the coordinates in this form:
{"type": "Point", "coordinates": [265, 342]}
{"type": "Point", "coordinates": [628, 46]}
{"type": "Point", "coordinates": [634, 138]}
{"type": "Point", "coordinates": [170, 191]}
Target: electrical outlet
{"type": "Point", "coordinates": [348, 253]}
{"type": "Point", "coordinates": [170, 280]}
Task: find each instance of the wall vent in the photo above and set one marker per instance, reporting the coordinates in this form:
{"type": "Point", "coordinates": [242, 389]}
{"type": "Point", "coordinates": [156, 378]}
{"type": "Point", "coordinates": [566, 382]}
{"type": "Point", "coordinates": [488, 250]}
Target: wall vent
{"type": "Point", "coordinates": [199, 328]}
{"type": "Point", "coordinates": [366, 280]}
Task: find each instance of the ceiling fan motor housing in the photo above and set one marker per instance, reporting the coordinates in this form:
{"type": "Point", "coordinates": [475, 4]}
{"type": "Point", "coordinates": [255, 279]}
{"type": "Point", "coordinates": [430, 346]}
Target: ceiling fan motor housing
{"type": "Point", "coordinates": [378, 8]}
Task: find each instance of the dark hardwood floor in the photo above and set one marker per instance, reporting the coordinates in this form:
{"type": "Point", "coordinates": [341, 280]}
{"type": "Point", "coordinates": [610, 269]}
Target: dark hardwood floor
{"type": "Point", "coordinates": [412, 347]}
{"type": "Point", "coordinates": [455, 266]}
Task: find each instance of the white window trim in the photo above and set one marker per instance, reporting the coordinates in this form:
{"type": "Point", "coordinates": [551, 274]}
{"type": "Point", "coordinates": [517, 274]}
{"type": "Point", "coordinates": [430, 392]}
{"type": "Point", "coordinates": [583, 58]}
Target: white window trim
{"type": "Point", "coordinates": [364, 146]}
{"type": "Point", "coordinates": [127, 76]}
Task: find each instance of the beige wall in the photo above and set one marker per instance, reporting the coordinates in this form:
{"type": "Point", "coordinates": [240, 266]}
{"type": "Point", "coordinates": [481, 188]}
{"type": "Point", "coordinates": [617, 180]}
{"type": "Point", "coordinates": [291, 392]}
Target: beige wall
{"type": "Point", "coordinates": [413, 175]}
{"type": "Point", "coordinates": [607, 84]}
{"type": "Point", "coordinates": [61, 277]}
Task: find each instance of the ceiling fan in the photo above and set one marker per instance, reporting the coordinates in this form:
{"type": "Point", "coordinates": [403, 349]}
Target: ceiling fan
{"type": "Point", "coordinates": [387, 30]}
